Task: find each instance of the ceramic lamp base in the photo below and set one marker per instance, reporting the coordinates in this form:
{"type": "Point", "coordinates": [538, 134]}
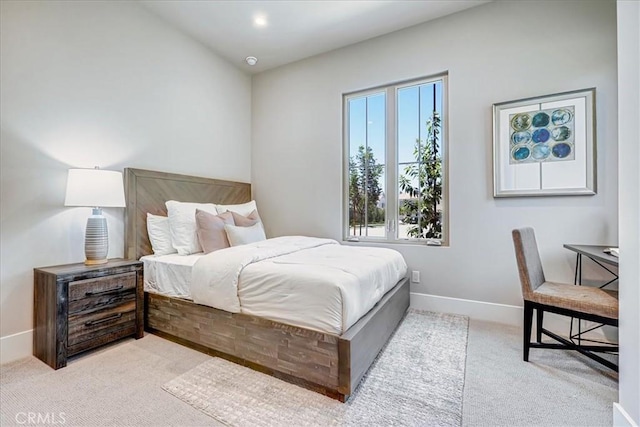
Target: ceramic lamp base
{"type": "Point", "coordinates": [96, 241]}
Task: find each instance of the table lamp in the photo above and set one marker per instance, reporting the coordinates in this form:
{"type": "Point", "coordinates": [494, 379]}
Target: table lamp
{"type": "Point", "coordinates": [98, 189]}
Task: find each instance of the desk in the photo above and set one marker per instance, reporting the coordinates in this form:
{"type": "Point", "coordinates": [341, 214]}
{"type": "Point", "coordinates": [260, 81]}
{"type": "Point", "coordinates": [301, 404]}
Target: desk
{"type": "Point", "coordinates": [596, 254]}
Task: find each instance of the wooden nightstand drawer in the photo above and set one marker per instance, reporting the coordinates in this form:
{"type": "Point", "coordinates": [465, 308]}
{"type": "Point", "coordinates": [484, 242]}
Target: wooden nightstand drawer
{"type": "Point", "coordinates": [88, 326]}
{"type": "Point", "coordinates": [79, 307]}
{"type": "Point", "coordinates": [87, 296]}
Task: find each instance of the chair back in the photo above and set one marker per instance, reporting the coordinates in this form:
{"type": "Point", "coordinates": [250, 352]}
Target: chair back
{"type": "Point", "coordinates": [528, 258]}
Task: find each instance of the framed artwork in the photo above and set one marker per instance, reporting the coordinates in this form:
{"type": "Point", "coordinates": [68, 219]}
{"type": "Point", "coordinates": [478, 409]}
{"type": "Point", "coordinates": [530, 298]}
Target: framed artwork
{"type": "Point", "coordinates": [545, 146]}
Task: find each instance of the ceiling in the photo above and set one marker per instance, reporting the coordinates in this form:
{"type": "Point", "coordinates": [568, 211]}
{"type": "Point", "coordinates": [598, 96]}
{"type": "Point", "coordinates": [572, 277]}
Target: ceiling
{"type": "Point", "coordinates": [294, 29]}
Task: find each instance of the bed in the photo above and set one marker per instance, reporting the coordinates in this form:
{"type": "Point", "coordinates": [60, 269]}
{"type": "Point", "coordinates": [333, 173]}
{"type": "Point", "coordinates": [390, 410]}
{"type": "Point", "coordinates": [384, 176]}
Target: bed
{"type": "Point", "coordinates": [329, 363]}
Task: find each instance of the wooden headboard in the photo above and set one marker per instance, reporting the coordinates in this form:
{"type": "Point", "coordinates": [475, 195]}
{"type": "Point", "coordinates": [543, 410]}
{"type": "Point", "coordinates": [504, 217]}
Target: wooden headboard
{"type": "Point", "coordinates": [147, 191]}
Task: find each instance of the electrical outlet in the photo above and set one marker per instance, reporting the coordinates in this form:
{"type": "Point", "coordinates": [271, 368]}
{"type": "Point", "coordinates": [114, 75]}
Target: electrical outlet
{"type": "Point", "coordinates": [415, 276]}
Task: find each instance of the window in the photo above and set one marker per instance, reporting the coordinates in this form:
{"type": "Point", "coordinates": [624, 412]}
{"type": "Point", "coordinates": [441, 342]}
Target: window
{"type": "Point", "coordinates": [395, 163]}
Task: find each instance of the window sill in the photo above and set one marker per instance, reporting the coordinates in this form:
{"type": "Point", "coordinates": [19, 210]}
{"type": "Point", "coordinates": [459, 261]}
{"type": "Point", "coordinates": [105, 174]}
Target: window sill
{"type": "Point", "coordinates": [408, 242]}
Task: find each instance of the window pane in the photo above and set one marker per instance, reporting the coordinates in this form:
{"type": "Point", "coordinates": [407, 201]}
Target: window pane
{"type": "Point", "coordinates": [357, 124]}
{"type": "Point", "coordinates": [357, 138]}
{"type": "Point", "coordinates": [367, 127]}
{"type": "Point", "coordinates": [420, 175]}
{"type": "Point", "coordinates": [408, 208]}
{"type": "Point", "coordinates": [376, 213]}
{"type": "Point", "coordinates": [430, 101]}
{"type": "Point", "coordinates": [408, 123]}
{"type": "Point", "coordinates": [376, 140]}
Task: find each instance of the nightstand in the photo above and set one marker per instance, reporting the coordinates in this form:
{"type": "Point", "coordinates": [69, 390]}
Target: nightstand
{"type": "Point", "coordinates": [79, 307]}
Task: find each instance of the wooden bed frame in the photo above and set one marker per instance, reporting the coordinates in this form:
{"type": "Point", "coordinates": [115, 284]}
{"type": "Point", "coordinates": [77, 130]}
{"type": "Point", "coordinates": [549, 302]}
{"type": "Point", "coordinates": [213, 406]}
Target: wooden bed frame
{"type": "Point", "coordinates": [326, 363]}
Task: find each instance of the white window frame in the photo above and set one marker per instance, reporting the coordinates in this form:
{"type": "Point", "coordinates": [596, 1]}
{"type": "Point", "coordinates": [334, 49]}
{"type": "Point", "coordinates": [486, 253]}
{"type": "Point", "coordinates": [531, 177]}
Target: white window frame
{"type": "Point", "coordinates": [391, 162]}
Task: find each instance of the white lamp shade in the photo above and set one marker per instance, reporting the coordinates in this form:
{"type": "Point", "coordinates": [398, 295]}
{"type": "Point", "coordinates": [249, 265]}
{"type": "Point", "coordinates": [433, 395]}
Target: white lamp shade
{"type": "Point", "coordinates": [95, 188]}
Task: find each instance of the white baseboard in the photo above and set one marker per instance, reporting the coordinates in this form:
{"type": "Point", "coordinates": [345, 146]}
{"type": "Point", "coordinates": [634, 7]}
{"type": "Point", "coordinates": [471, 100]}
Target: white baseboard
{"type": "Point", "coordinates": [16, 346]}
{"type": "Point", "coordinates": [492, 312]}
{"type": "Point", "coordinates": [621, 418]}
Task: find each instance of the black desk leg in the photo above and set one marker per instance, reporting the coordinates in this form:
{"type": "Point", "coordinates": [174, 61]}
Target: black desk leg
{"type": "Point", "coordinates": [577, 280]}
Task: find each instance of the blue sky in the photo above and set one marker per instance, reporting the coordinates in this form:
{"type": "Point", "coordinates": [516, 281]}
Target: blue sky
{"type": "Point", "coordinates": [367, 120]}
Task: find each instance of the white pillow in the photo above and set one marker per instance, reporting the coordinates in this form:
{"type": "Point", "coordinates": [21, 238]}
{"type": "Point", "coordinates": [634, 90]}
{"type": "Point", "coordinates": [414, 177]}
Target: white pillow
{"type": "Point", "coordinates": [244, 235]}
{"type": "Point", "coordinates": [243, 209]}
{"type": "Point", "coordinates": [159, 234]}
{"type": "Point", "coordinates": [182, 223]}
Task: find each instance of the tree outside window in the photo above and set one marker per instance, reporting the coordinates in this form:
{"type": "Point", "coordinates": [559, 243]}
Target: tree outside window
{"type": "Point", "coordinates": [423, 208]}
{"type": "Point", "coordinates": [365, 190]}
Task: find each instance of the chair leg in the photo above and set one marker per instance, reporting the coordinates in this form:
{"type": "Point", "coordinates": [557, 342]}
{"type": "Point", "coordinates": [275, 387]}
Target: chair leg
{"type": "Point", "coordinates": [528, 321]}
{"type": "Point", "coordinates": [539, 317]}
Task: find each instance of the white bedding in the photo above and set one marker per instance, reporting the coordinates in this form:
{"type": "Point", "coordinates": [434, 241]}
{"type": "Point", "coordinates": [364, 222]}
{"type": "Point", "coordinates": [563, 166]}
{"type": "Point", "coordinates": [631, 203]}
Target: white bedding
{"type": "Point", "coordinates": [303, 281]}
{"type": "Point", "coordinates": [169, 275]}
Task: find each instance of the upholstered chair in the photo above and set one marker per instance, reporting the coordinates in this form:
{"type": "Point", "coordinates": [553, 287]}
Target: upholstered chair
{"type": "Point", "coordinates": [581, 302]}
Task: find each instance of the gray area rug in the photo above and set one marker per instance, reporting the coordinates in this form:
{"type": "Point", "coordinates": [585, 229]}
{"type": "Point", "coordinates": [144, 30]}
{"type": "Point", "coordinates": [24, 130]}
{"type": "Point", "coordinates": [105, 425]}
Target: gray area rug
{"type": "Point", "coordinates": [417, 380]}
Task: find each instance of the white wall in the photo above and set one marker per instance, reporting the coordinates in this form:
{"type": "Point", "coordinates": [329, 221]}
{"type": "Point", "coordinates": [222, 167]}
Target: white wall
{"type": "Point", "coordinates": [497, 52]}
{"type": "Point", "coordinates": [107, 84]}
{"type": "Point", "coordinates": [629, 178]}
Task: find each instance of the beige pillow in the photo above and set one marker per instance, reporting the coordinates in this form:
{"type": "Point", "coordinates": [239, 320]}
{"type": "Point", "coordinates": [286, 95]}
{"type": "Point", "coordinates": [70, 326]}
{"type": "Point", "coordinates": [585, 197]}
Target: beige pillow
{"type": "Point", "coordinates": [210, 230]}
{"type": "Point", "coordinates": [245, 221]}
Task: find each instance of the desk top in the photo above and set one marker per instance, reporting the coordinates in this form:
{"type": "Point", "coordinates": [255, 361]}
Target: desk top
{"type": "Point", "coordinates": [595, 252]}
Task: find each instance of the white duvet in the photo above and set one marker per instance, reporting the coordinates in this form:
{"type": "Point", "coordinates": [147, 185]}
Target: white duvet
{"type": "Point", "coordinates": [303, 281]}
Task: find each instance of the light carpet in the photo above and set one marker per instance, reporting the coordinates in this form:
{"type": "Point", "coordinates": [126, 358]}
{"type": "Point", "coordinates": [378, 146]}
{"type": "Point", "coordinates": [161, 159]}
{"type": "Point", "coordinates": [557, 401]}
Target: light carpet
{"type": "Point", "coordinates": [121, 385]}
{"type": "Point", "coordinates": [417, 379]}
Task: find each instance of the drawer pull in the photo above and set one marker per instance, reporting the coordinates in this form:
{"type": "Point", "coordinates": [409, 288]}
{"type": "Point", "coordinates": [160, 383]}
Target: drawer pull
{"type": "Point", "coordinates": [106, 319]}
{"type": "Point", "coordinates": [108, 291]}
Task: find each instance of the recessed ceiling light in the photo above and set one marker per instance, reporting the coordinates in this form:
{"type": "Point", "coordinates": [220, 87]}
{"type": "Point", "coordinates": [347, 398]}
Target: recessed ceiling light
{"type": "Point", "coordinates": [251, 60]}
{"type": "Point", "coordinates": [260, 21]}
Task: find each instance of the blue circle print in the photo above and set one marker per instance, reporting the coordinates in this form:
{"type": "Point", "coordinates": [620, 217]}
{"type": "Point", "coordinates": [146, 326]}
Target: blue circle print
{"type": "Point", "coordinates": [561, 150]}
{"type": "Point", "coordinates": [540, 120]}
{"type": "Point", "coordinates": [540, 151]}
{"type": "Point", "coordinates": [520, 137]}
{"type": "Point", "coordinates": [561, 116]}
{"type": "Point", "coordinates": [521, 153]}
{"type": "Point", "coordinates": [521, 122]}
{"type": "Point", "coordinates": [561, 133]}
{"type": "Point", "coordinates": [540, 135]}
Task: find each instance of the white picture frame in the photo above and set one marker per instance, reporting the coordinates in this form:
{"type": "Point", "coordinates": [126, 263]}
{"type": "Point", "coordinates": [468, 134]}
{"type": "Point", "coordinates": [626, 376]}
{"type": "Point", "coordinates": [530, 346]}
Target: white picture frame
{"type": "Point", "coordinates": [545, 146]}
